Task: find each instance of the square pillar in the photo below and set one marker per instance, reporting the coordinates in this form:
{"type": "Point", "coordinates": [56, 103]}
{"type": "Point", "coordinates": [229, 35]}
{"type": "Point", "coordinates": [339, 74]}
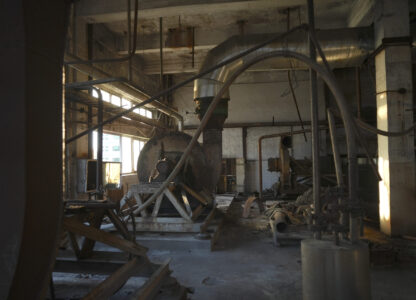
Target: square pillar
{"type": "Point", "coordinates": [396, 158]}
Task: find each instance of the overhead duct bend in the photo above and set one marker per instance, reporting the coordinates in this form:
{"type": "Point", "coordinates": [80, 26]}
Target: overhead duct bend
{"type": "Point", "coordinates": [342, 47]}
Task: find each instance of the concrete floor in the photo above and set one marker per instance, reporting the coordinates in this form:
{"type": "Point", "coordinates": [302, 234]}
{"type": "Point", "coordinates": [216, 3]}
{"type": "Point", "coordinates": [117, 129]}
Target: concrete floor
{"type": "Point", "coordinates": [249, 266]}
{"type": "Point", "coordinates": [246, 265]}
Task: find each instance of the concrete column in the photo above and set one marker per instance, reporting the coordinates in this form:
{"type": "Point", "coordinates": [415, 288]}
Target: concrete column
{"type": "Point", "coordinates": [397, 200]}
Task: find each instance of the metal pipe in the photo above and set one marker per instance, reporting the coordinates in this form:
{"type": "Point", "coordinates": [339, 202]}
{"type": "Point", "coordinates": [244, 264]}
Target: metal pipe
{"type": "Point", "coordinates": [120, 85]}
{"type": "Point", "coordinates": [338, 166]}
{"type": "Point", "coordinates": [260, 124]}
{"type": "Point", "coordinates": [99, 183]}
{"type": "Point", "coordinates": [90, 135]}
{"type": "Point", "coordinates": [296, 103]}
{"type": "Point", "coordinates": [111, 60]}
{"type": "Point", "coordinates": [260, 154]}
{"type": "Point", "coordinates": [189, 80]}
{"type": "Point", "coordinates": [161, 51]}
{"type": "Point", "coordinates": [358, 90]}
{"type": "Point", "coordinates": [316, 176]}
{"type": "Point", "coordinates": [109, 108]}
{"type": "Point", "coordinates": [343, 47]}
{"type": "Point", "coordinates": [335, 150]}
{"type": "Point", "coordinates": [278, 221]}
{"type": "Point", "coordinates": [350, 130]}
{"type": "Point", "coordinates": [129, 70]}
{"type": "Point", "coordinates": [326, 75]}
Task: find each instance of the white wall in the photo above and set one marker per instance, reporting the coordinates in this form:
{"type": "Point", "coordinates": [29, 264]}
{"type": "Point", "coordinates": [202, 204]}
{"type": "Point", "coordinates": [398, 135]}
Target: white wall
{"type": "Point", "coordinates": [260, 97]}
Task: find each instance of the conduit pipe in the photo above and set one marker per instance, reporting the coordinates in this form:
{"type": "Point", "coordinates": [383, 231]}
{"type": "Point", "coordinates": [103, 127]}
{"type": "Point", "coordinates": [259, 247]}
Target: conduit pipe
{"type": "Point", "coordinates": [329, 79]}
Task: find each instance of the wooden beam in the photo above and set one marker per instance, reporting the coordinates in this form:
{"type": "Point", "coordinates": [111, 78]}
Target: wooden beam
{"type": "Point", "coordinates": [194, 194]}
{"type": "Point", "coordinates": [95, 234]}
{"type": "Point", "coordinates": [151, 287]}
{"type": "Point", "coordinates": [115, 281]}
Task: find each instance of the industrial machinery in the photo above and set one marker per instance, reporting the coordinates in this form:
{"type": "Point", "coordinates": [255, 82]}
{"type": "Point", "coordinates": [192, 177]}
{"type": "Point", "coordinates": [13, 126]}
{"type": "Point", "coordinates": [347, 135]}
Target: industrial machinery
{"type": "Point", "coordinates": [187, 204]}
{"type": "Point", "coordinates": [291, 171]}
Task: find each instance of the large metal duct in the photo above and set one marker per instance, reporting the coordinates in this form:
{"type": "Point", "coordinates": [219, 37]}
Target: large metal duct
{"type": "Point", "coordinates": [343, 48]}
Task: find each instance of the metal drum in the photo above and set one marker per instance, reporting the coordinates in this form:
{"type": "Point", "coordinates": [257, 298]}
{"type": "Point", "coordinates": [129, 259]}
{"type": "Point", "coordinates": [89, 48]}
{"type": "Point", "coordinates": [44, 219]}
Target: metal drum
{"type": "Point", "coordinates": [335, 272]}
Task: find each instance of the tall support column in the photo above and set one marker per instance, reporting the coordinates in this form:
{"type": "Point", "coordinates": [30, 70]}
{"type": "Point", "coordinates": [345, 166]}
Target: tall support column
{"type": "Point", "coordinates": [396, 162]}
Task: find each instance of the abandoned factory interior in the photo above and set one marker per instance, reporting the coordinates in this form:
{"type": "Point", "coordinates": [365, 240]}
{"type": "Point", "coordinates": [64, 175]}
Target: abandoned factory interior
{"type": "Point", "coordinates": [208, 149]}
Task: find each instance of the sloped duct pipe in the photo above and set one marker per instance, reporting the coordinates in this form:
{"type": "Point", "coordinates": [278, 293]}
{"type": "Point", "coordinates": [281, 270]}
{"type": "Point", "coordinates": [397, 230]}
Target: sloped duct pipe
{"type": "Point", "coordinates": [342, 47]}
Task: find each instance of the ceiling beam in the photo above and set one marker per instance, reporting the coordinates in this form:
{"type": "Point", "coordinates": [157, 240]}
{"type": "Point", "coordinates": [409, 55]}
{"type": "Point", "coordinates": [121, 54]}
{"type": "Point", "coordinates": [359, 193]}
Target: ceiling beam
{"type": "Point", "coordinates": [101, 11]}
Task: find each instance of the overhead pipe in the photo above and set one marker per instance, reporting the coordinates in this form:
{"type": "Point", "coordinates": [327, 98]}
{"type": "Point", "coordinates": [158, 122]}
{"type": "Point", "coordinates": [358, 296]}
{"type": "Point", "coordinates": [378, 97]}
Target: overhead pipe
{"type": "Point", "coordinates": [120, 85]}
{"type": "Point", "coordinates": [183, 83]}
{"type": "Point", "coordinates": [342, 47]}
{"type": "Point", "coordinates": [328, 78]}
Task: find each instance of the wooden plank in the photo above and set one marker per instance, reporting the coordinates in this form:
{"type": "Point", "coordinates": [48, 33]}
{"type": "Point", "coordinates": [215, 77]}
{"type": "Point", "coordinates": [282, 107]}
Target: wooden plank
{"type": "Point", "coordinates": [208, 219]}
{"type": "Point", "coordinates": [194, 194]}
{"type": "Point", "coordinates": [118, 224]}
{"type": "Point", "coordinates": [98, 267]}
{"type": "Point", "coordinates": [139, 201]}
{"type": "Point", "coordinates": [197, 212]}
{"type": "Point", "coordinates": [176, 204]}
{"type": "Point", "coordinates": [146, 188]}
{"type": "Point", "coordinates": [151, 287]}
{"type": "Point", "coordinates": [88, 244]}
{"type": "Point", "coordinates": [186, 202]}
{"type": "Point", "coordinates": [157, 205]}
{"type": "Point", "coordinates": [115, 281]}
{"type": "Point", "coordinates": [103, 237]}
{"type": "Point", "coordinates": [74, 244]}
{"type": "Point", "coordinates": [161, 225]}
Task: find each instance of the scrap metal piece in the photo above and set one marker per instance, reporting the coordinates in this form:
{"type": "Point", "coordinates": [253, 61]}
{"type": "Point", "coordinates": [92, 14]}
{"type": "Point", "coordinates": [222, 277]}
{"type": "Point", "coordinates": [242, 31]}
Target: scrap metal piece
{"type": "Point", "coordinates": [247, 205]}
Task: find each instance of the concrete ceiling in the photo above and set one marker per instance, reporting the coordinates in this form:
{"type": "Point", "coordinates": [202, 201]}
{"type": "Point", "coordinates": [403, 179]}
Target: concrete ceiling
{"type": "Point", "coordinates": [213, 21]}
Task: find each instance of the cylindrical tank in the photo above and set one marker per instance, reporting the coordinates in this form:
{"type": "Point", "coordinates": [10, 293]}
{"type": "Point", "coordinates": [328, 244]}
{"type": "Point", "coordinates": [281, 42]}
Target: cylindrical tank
{"type": "Point", "coordinates": [332, 271]}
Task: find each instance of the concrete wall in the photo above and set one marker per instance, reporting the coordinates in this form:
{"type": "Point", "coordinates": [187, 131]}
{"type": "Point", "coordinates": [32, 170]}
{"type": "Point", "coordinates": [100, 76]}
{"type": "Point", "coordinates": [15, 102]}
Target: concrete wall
{"type": "Point", "coordinates": [260, 97]}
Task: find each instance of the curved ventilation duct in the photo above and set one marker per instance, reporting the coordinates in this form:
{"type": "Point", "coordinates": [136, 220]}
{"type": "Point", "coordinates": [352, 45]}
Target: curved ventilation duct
{"type": "Point", "coordinates": [342, 47]}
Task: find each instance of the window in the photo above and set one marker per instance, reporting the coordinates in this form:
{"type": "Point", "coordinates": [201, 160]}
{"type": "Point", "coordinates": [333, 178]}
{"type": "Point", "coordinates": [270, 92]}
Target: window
{"type": "Point", "coordinates": [115, 100]}
{"type": "Point", "coordinates": [125, 103]}
{"type": "Point", "coordinates": [137, 148]}
{"type": "Point", "coordinates": [104, 94]}
{"type": "Point", "coordinates": [122, 102]}
{"type": "Point", "coordinates": [111, 147]}
{"type": "Point", "coordinates": [120, 148]}
{"type": "Point", "coordinates": [126, 156]}
{"type": "Point", "coordinates": [143, 112]}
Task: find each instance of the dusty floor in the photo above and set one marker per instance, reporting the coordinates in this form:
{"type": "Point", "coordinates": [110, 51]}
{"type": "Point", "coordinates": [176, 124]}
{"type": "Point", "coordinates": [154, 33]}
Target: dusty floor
{"type": "Point", "coordinates": [249, 266]}
{"type": "Point", "coordinates": [246, 265]}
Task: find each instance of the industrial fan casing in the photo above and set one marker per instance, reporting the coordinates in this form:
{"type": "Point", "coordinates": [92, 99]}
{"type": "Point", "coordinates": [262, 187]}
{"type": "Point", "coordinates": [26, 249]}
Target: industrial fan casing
{"type": "Point", "coordinates": [171, 146]}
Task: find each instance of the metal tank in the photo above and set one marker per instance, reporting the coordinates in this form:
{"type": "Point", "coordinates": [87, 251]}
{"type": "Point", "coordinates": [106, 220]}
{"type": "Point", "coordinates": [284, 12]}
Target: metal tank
{"type": "Point", "coordinates": [333, 271]}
